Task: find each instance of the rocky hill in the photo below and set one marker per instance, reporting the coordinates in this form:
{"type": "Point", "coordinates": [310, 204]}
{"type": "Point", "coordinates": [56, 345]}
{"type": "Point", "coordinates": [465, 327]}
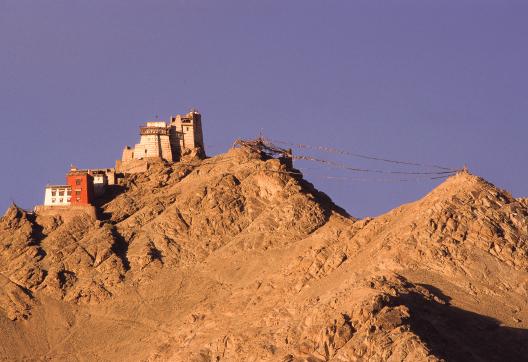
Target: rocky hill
{"type": "Point", "coordinates": [237, 258]}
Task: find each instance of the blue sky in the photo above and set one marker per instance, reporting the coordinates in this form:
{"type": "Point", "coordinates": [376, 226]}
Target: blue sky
{"type": "Point", "coordinates": [423, 81]}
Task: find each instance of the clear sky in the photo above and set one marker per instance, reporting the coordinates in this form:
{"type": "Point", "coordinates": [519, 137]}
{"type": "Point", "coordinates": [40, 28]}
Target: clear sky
{"type": "Point", "coordinates": [427, 81]}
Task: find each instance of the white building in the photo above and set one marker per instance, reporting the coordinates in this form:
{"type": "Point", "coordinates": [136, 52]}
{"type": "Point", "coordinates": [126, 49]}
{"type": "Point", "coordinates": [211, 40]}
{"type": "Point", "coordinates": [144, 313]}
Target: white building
{"type": "Point", "coordinates": [57, 195]}
{"type": "Point", "coordinates": [154, 142]}
{"type": "Point", "coordinates": [100, 180]}
{"type": "Point", "coordinates": [167, 141]}
{"type": "Point", "coordinates": [60, 195]}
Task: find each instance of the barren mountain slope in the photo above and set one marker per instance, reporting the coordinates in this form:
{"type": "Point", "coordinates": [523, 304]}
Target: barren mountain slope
{"type": "Point", "coordinates": [237, 258]}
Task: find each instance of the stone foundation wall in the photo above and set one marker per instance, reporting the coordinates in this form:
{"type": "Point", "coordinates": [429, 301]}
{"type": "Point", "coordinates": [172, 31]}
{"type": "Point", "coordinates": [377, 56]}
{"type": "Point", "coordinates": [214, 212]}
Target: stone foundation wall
{"type": "Point", "coordinates": [66, 212]}
{"type": "Point", "coordinates": [134, 166]}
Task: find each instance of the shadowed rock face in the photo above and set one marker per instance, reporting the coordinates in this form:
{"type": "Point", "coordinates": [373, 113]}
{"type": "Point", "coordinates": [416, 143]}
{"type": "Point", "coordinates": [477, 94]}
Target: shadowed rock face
{"type": "Point", "coordinates": [236, 258]}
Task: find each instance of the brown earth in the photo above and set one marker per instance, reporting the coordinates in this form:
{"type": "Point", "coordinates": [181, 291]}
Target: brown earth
{"type": "Point", "coordinates": [235, 258]}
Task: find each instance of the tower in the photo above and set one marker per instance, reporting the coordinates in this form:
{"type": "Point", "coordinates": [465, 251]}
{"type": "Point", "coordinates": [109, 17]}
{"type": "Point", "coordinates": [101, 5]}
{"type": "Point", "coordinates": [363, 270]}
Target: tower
{"type": "Point", "coordinates": [180, 137]}
{"type": "Point", "coordinates": [82, 186]}
{"type": "Point", "coordinates": [186, 134]}
{"type": "Point", "coordinates": [154, 142]}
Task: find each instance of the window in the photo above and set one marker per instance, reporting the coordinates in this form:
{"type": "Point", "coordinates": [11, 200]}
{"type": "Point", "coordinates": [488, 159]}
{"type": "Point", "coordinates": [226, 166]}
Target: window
{"type": "Point", "coordinates": [61, 200]}
{"type": "Point", "coordinates": [53, 200]}
{"type": "Point", "coordinates": [77, 193]}
{"type": "Point", "coordinates": [53, 193]}
{"type": "Point", "coordinates": [68, 192]}
{"type": "Point", "coordinates": [78, 199]}
{"type": "Point", "coordinates": [68, 199]}
{"type": "Point", "coordinates": [78, 182]}
{"type": "Point", "coordinates": [61, 193]}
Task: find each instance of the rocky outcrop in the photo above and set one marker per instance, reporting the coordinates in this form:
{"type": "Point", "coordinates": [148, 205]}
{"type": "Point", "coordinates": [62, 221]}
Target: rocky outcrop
{"type": "Point", "coordinates": [238, 258]}
{"type": "Point", "coordinates": [68, 257]}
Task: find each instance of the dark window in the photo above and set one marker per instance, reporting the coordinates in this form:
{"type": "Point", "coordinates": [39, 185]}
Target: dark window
{"type": "Point", "coordinates": [77, 182]}
{"type": "Point", "coordinates": [77, 193]}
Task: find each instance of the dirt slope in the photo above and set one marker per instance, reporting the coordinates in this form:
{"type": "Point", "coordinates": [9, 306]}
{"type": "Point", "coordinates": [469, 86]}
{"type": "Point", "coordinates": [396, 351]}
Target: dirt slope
{"type": "Point", "coordinates": [236, 258]}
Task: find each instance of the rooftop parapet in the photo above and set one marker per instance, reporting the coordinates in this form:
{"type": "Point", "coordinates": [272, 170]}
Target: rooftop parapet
{"type": "Point", "coordinates": [58, 186]}
{"type": "Point", "coordinates": [148, 130]}
{"type": "Point", "coordinates": [156, 124]}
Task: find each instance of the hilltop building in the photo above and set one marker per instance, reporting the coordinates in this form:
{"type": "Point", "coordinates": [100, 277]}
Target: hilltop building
{"type": "Point", "coordinates": [186, 134]}
{"type": "Point", "coordinates": [102, 178]}
{"type": "Point", "coordinates": [57, 195]}
{"type": "Point", "coordinates": [181, 137]}
{"type": "Point", "coordinates": [82, 187]}
{"type": "Point", "coordinates": [154, 142]}
{"type": "Point", "coordinates": [158, 140]}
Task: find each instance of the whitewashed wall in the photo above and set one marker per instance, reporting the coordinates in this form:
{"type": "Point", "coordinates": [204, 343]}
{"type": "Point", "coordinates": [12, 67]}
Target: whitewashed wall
{"type": "Point", "coordinates": [53, 197]}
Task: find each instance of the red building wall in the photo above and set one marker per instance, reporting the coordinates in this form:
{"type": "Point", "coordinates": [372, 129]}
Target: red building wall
{"type": "Point", "coordinates": [82, 187]}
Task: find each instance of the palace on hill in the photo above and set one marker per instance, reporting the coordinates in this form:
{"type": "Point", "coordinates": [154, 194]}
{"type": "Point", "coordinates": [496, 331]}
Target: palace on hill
{"type": "Point", "coordinates": [171, 141]}
{"type": "Point", "coordinates": [181, 137]}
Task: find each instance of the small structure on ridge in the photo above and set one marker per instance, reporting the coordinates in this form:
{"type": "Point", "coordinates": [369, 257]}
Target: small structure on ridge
{"type": "Point", "coordinates": [267, 150]}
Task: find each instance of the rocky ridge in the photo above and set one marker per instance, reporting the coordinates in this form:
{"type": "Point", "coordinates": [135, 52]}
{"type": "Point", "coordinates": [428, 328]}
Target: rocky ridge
{"type": "Point", "coordinates": [238, 258]}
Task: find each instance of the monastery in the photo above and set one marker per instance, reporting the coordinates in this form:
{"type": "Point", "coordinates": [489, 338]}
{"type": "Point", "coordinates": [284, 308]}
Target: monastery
{"type": "Point", "coordinates": [82, 187]}
{"type": "Point", "coordinates": [181, 137]}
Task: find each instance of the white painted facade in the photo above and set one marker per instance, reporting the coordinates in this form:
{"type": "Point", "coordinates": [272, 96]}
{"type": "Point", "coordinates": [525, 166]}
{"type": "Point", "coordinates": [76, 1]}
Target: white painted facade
{"type": "Point", "coordinates": [109, 172]}
{"type": "Point", "coordinates": [160, 124]}
{"type": "Point", "coordinates": [100, 181]}
{"type": "Point", "coordinates": [57, 195]}
{"type": "Point", "coordinates": [153, 146]}
{"type": "Point", "coordinates": [154, 143]}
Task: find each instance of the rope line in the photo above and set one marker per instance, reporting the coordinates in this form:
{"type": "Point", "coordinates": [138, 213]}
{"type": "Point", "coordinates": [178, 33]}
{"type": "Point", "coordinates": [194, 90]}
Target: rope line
{"type": "Point", "coordinates": [266, 147]}
{"type": "Point", "coordinates": [366, 157]}
{"type": "Point", "coordinates": [349, 168]}
{"type": "Point", "coordinates": [344, 178]}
